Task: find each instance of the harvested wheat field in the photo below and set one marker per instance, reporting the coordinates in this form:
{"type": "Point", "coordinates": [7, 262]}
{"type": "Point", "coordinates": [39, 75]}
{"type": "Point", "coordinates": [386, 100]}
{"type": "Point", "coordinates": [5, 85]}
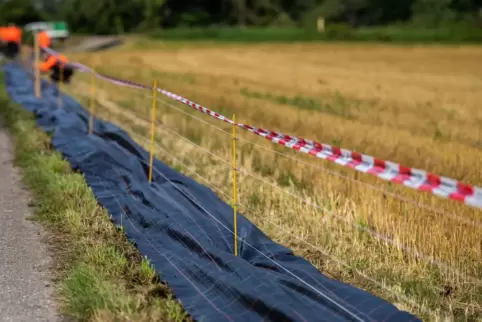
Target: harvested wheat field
{"type": "Point", "coordinates": [418, 106]}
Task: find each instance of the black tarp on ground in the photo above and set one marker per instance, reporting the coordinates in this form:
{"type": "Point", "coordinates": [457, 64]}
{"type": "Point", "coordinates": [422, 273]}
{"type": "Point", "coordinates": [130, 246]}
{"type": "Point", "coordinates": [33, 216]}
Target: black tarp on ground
{"type": "Point", "coordinates": [185, 229]}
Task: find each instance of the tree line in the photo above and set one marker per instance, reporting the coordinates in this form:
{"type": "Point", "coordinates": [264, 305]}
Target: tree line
{"type": "Point", "coordinates": [121, 16]}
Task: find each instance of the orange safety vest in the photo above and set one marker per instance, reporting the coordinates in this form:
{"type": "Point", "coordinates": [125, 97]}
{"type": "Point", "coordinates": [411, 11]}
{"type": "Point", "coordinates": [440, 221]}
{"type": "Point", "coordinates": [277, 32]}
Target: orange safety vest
{"type": "Point", "coordinates": [12, 34]}
{"type": "Point", "coordinates": [43, 39]}
{"type": "Point", "coordinates": [51, 62]}
{"type": "Point", "coordinates": [2, 33]}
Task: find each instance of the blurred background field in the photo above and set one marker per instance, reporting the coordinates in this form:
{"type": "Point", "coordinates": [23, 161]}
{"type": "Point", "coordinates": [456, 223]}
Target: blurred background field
{"type": "Point", "coordinates": [451, 21]}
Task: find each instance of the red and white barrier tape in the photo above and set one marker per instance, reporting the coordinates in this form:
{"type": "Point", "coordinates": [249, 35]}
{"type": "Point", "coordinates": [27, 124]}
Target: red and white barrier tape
{"type": "Point", "coordinates": [413, 178]}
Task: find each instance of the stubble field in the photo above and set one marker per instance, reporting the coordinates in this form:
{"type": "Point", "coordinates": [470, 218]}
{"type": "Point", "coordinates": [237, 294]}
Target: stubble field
{"type": "Point", "coordinates": [418, 106]}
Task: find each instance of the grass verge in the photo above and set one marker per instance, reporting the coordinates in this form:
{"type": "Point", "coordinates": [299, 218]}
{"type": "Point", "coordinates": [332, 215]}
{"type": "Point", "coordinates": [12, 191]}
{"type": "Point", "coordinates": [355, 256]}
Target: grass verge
{"type": "Point", "coordinates": [335, 32]}
{"type": "Point", "coordinates": [101, 276]}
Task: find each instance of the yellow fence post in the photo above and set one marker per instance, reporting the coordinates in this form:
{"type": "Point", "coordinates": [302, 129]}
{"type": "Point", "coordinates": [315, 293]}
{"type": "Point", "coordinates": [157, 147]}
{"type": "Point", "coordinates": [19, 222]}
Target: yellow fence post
{"type": "Point", "coordinates": [36, 65]}
{"type": "Point", "coordinates": [61, 78]}
{"type": "Point", "coordinates": [153, 128]}
{"type": "Point", "coordinates": [235, 197]}
{"type": "Point", "coordinates": [92, 88]}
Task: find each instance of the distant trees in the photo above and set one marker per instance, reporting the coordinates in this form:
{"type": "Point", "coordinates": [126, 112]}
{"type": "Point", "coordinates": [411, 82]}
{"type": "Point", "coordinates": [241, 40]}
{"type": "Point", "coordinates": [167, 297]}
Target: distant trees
{"type": "Point", "coordinates": [117, 16]}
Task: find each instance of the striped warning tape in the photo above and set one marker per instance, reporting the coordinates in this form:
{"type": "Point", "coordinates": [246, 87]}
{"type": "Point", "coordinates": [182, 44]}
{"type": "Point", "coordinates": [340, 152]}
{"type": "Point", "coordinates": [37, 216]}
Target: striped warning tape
{"type": "Point", "coordinates": [413, 178]}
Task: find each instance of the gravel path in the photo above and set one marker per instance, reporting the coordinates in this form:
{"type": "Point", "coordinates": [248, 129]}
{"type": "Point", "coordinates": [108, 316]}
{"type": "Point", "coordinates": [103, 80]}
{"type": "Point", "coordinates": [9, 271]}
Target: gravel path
{"type": "Point", "coordinates": [26, 293]}
{"type": "Point", "coordinates": [96, 43]}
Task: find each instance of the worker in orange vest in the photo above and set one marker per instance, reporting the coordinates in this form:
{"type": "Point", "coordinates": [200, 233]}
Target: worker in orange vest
{"type": "Point", "coordinates": [12, 36]}
{"type": "Point", "coordinates": [52, 63]}
{"type": "Point", "coordinates": [57, 64]}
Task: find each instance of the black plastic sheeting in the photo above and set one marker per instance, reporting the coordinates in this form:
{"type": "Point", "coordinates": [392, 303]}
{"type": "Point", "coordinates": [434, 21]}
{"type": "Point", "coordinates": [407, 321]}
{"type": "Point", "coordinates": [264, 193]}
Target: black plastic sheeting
{"type": "Point", "coordinates": [186, 230]}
